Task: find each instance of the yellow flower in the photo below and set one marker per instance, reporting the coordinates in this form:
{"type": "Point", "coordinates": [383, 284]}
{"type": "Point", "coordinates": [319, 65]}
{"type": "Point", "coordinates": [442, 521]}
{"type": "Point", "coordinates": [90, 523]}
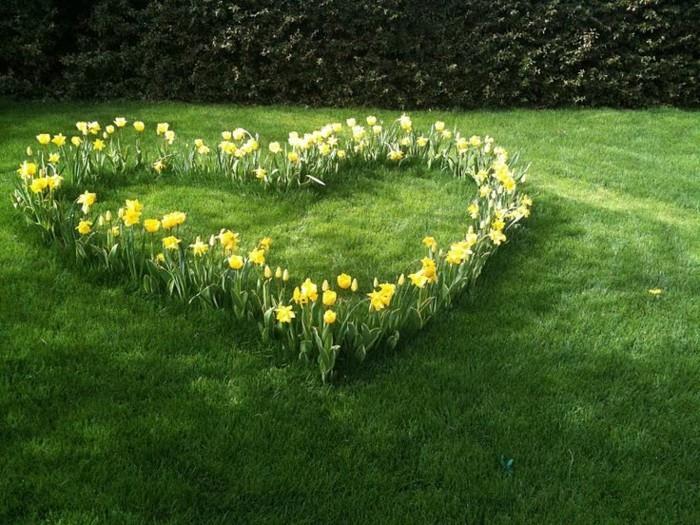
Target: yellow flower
{"type": "Point", "coordinates": [199, 248]}
{"type": "Point", "coordinates": [484, 190]}
{"type": "Point", "coordinates": [473, 210]}
{"type": "Point", "coordinates": [59, 140]}
{"type": "Point", "coordinates": [458, 252]}
{"type": "Point", "coordinates": [446, 134]}
{"type": "Point", "coordinates": [94, 127]}
{"type": "Point", "coordinates": [257, 256]}
{"type": "Point", "coordinates": [421, 141]}
{"type": "Point", "coordinates": [395, 154]}
{"type": "Point", "coordinates": [171, 242]}
{"type": "Point", "coordinates": [260, 173]}
{"type": "Point", "coordinates": [76, 141]}
{"type": "Point", "coordinates": [275, 147]}
{"type": "Point", "coordinates": [82, 127]}
{"type": "Point", "coordinates": [139, 126]}
{"type": "Point", "coordinates": [229, 240]}
{"type": "Point", "coordinates": [132, 213]}
{"type": "Point", "coordinates": [170, 220]}
{"type": "Point", "coordinates": [371, 120]}
{"type": "Point", "coordinates": [278, 273]}
{"type": "Point", "coordinates": [98, 145]}
{"type": "Point", "coordinates": [285, 275]}
{"type": "Point", "coordinates": [54, 181]}
{"type": "Point", "coordinates": [324, 150]}
{"type": "Point", "coordinates": [27, 169]}
{"type": "Point", "coordinates": [120, 122]}
{"type": "Point", "coordinates": [162, 127]}
{"type": "Point", "coordinates": [329, 297]}
{"type": "Point", "coordinates": [116, 231]}
{"type": "Point", "coordinates": [84, 227]}
{"type": "Point", "coordinates": [418, 279]}
{"type": "Point", "coordinates": [376, 300]}
{"type": "Point", "coordinates": [54, 158]}
{"type": "Point", "coordinates": [329, 317]}
{"type": "Point", "coordinates": [656, 291]}
{"type": "Point", "coordinates": [267, 272]}
{"type": "Point", "coordinates": [354, 286]}
{"type": "Point", "coordinates": [293, 157]}
{"type": "Point", "coordinates": [169, 136]}
{"type": "Point", "coordinates": [160, 258]}
{"type": "Point", "coordinates": [109, 129]}
{"type": "Point", "coordinates": [265, 243]}
{"type": "Point", "coordinates": [285, 314]}
{"type": "Point", "coordinates": [38, 185]}
{"type": "Point", "coordinates": [87, 199]}
{"type": "Point", "coordinates": [159, 166]}
{"type": "Point", "coordinates": [309, 290]}
{"type": "Point", "coordinates": [238, 134]}
{"type": "Point", "coordinates": [235, 262]}
{"type": "Point", "coordinates": [429, 269]}
{"type": "Point", "coordinates": [43, 138]}
{"type": "Point", "coordinates": [351, 122]}
{"type": "Point", "coordinates": [496, 236]}
{"type": "Point", "coordinates": [439, 125]}
{"type": "Point", "coordinates": [430, 242]}
{"type": "Point", "coordinates": [475, 141]}
{"type": "Point", "coordinates": [344, 281]}
{"type": "Point", "coordinates": [405, 122]}
{"type": "Point", "coordinates": [151, 225]}
{"type": "Point", "coordinates": [341, 153]}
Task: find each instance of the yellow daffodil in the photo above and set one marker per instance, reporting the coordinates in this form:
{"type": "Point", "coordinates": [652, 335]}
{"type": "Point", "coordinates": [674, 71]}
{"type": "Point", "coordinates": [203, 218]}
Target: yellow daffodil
{"type": "Point", "coordinates": [351, 122]}
{"type": "Point", "coordinates": [139, 126]}
{"type": "Point", "coordinates": [257, 256]}
{"type": "Point", "coordinates": [171, 243]}
{"type": "Point", "coordinates": [120, 122]}
{"type": "Point", "coordinates": [285, 314]}
{"type": "Point", "coordinates": [439, 125]}
{"type": "Point", "coordinates": [405, 123]}
{"type": "Point", "coordinates": [58, 140]}
{"type": "Point", "coordinates": [265, 243]}
{"type": "Point", "coordinates": [54, 158]}
{"type": "Point", "coordinates": [173, 219]}
{"type": "Point", "coordinates": [329, 317]}
{"type": "Point", "coordinates": [430, 242]}
{"type": "Point", "coordinates": [94, 127]}
{"type": "Point", "coordinates": [27, 170]}
{"type": "Point", "coordinates": [267, 272]}
{"type": "Point", "coordinates": [109, 129]}
{"type": "Point", "coordinates": [275, 147]}
{"type": "Point", "coordinates": [496, 236]}
{"type": "Point", "coordinates": [656, 291]}
{"type": "Point", "coordinates": [278, 273]}
{"type": "Point", "coordinates": [162, 127]}
{"type": "Point", "coordinates": [371, 120]}
{"type": "Point", "coordinates": [229, 240]}
{"type": "Point", "coordinates": [98, 145]}
{"type": "Point", "coordinates": [418, 279]}
{"type": "Point", "coordinates": [43, 138]}
{"type": "Point", "coordinates": [151, 225]}
{"type": "Point", "coordinates": [39, 184]}
{"type": "Point", "coordinates": [260, 173]}
{"type": "Point", "coordinates": [329, 297]}
{"type": "Point", "coordinates": [429, 269]}
{"type": "Point", "coordinates": [421, 141]}
{"type": "Point", "coordinates": [395, 155]}
{"type": "Point", "coordinates": [169, 136]}
{"type": "Point", "coordinates": [84, 227]}
{"type": "Point", "coordinates": [344, 281]}
{"type": "Point", "coordinates": [293, 157]}
{"type": "Point", "coordinates": [235, 262]}
{"type": "Point", "coordinates": [86, 199]}
{"type": "Point", "coordinates": [76, 141]}
{"type": "Point", "coordinates": [309, 290]}
{"type": "Point", "coordinates": [473, 210]}
{"type": "Point", "coordinates": [199, 248]}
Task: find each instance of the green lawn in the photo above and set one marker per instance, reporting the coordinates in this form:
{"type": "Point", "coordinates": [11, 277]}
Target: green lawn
{"type": "Point", "coordinates": [116, 408]}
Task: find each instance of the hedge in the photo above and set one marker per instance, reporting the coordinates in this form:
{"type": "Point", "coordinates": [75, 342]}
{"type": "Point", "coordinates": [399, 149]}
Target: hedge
{"type": "Point", "coordinates": [389, 53]}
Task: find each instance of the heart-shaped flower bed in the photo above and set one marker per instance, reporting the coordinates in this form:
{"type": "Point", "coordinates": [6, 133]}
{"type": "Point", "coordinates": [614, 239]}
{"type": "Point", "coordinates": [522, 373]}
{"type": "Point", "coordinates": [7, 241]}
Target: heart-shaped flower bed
{"type": "Point", "coordinates": [329, 322]}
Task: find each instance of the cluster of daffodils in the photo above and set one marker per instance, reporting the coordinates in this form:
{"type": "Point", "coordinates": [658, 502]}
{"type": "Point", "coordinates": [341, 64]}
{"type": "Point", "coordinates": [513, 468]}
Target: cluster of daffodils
{"type": "Point", "coordinates": [329, 321]}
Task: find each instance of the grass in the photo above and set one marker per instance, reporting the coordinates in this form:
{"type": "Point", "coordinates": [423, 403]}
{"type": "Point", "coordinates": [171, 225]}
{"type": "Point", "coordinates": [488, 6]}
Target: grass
{"type": "Point", "coordinates": [118, 409]}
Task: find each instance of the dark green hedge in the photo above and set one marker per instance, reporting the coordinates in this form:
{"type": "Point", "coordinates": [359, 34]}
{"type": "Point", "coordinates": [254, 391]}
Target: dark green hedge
{"type": "Point", "coordinates": [391, 53]}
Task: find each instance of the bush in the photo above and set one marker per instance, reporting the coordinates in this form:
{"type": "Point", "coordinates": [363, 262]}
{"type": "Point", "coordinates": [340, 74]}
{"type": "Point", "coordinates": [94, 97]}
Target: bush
{"type": "Point", "coordinates": [390, 53]}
